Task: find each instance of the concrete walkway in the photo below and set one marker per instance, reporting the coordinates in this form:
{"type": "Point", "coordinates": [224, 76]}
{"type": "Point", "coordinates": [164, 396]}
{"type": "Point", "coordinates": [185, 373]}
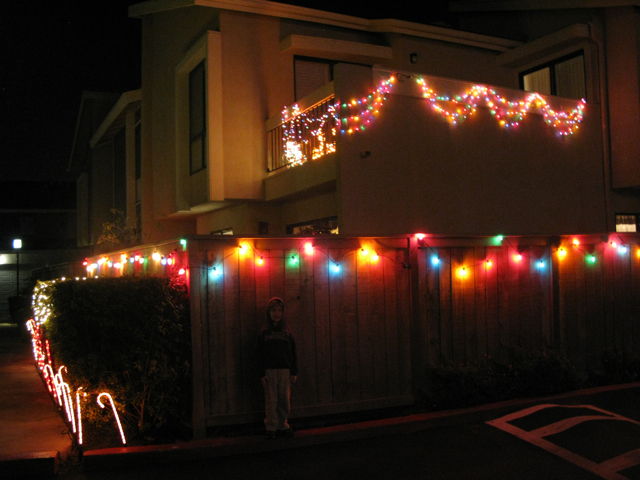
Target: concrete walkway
{"type": "Point", "coordinates": [32, 434]}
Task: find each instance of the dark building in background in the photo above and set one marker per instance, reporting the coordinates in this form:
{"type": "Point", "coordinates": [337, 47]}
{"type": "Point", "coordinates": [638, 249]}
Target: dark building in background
{"type": "Point", "coordinates": [43, 216]}
{"type": "Point", "coordinates": [103, 161]}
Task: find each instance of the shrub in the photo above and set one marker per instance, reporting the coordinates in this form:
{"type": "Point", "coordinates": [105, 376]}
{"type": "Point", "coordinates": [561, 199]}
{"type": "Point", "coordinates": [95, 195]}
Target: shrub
{"type": "Point", "coordinates": [128, 336]}
{"type": "Point", "coordinates": [491, 380]}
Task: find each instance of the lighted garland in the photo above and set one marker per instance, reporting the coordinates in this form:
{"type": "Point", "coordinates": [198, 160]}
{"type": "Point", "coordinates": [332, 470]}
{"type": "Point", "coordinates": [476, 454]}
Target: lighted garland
{"type": "Point", "coordinates": [310, 134]}
{"type": "Point", "coordinates": [300, 128]}
{"type": "Point", "coordinates": [357, 114]}
{"type": "Point", "coordinates": [508, 113]}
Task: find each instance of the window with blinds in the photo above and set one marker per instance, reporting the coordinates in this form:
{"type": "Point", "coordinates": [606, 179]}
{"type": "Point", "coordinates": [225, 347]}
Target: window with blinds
{"type": "Point", "coordinates": [564, 77]}
{"type": "Point", "coordinates": [310, 74]}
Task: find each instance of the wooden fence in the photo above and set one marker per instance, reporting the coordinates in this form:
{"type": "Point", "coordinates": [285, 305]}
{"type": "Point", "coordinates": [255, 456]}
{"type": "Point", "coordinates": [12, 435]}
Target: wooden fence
{"type": "Point", "coordinates": [577, 296]}
{"type": "Point", "coordinates": [371, 315]}
{"type": "Point", "coordinates": [350, 314]}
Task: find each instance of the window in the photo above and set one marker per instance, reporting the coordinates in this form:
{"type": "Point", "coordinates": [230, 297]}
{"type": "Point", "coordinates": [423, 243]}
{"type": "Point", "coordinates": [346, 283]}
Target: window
{"type": "Point", "coordinates": [120, 172]}
{"type": "Point", "coordinates": [224, 231]}
{"type": "Point", "coordinates": [310, 74]}
{"type": "Point", "coordinates": [197, 119]}
{"type": "Point", "coordinates": [564, 77]}
{"type": "Point", "coordinates": [138, 151]}
{"type": "Point", "coordinates": [626, 222]}
{"type": "Point", "coordinates": [321, 226]}
{"type": "Point", "coordinates": [138, 174]}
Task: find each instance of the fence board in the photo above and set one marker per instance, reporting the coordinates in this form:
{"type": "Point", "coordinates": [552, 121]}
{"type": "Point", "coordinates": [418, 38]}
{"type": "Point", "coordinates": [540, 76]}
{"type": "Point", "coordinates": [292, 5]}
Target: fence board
{"type": "Point", "coordinates": [217, 349]}
{"type": "Point", "coordinates": [365, 329]}
{"type": "Point", "coordinates": [231, 332]}
{"type": "Point", "coordinates": [322, 324]}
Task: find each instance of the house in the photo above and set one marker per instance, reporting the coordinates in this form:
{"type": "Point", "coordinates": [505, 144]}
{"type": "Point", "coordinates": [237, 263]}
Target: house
{"type": "Point", "coordinates": [105, 160]}
{"type": "Point", "coordinates": [274, 122]}
{"type": "Point", "coordinates": [216, 76]}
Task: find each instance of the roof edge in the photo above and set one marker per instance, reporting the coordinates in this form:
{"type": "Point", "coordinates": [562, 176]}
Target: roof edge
{"type": "Point", "coordinates": [460, 6]}
{"type": "Point", "coordinates": [126, 99]}
{"type": "Point", "coordinates": [294, 12]}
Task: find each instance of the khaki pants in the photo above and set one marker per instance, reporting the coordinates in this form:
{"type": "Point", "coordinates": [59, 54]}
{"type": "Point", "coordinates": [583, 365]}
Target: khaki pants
{"type": "Point", "coordinates": [277, 399]}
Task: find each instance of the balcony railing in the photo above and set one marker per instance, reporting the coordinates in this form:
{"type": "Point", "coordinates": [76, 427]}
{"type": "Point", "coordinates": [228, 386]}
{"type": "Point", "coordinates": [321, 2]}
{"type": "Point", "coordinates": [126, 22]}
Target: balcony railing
{"type": "Point", "coordinates": [303, 135]}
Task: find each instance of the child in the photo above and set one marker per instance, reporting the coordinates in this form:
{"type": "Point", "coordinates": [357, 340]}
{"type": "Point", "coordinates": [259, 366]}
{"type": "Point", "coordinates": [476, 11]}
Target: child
{"type": "Point", "coordinates": [279, 369]}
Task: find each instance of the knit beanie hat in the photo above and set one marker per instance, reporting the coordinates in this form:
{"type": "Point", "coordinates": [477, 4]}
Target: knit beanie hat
{"type": "Point", "coordinates": [274, 301]}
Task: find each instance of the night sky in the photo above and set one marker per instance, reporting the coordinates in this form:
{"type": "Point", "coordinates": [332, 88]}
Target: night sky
{"type": "Point", "coordinates": [49, 56]}
{"type": "Point", "coordinates": [53, 50]}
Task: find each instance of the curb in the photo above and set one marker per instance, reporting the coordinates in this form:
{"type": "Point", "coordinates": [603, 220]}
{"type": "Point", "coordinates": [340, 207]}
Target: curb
{"type": "Point", "coordinates": [124, 457]}
{"type": "Point", "coordinates": [31, 464]}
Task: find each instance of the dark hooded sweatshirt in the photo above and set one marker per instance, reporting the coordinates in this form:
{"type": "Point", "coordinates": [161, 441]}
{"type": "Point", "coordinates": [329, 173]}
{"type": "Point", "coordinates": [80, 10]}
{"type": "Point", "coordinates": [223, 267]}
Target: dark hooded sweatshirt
{"type": "Point", "coordinates": [277, 349]}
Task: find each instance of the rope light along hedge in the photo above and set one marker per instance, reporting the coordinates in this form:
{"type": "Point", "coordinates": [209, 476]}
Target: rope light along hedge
{"type": "Point", "coordinates": [58, 387]}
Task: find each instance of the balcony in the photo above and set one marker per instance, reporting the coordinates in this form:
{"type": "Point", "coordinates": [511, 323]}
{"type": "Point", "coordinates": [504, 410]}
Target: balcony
{"type": "Point", "coordinates": [302, 135]}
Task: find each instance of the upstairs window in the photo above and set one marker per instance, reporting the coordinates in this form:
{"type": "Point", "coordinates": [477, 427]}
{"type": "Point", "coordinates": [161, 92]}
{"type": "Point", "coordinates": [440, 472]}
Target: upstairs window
{"type": "Point", "coordinates": [626, 222]}
{"type": "Point", "coordinates": [564, 77]}
{"type": "Point", "coordinates": [310, 74]}
{"type": "Point", "coordinates": [197, 120]}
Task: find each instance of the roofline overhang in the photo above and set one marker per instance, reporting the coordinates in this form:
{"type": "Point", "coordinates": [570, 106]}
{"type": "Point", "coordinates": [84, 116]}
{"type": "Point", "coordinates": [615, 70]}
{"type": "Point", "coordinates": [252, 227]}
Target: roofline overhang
{"type": "Point", "coordinates": [294, 12]}
{"type": "Point", "coordinates": [85, 97]}
{"type": "Point", "coordinates": [120, 107]}
{"type": "Point", "coordinates": [460, 6]}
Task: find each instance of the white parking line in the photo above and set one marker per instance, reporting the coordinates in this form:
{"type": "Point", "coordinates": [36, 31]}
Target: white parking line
{"type": "Point", "coordinates": [607, 469]}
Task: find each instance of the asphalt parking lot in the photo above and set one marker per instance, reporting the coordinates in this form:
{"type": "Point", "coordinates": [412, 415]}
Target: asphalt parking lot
{"type": "Point", "coordinates": [592, 435]}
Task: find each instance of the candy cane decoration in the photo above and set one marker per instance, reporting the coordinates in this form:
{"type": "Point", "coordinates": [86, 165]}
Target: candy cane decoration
{"type": "Point", "coordinates": [64, 395]}
{"type": "Point", "coordinates": [79, 414]}
{"type": "Point", "coordinates": [49, 377]}
{"type": "Point", "coordinates": [115, 413]}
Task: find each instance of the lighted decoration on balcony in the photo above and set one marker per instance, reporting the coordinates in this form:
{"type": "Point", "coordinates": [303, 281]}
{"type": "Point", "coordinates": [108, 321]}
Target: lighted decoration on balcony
{"type": "Point", "coordinates": [508, 113]}
{"type": "Point", "coordinates": [309, 134]}
{"type": "Point", "coordinates": [358, 113]}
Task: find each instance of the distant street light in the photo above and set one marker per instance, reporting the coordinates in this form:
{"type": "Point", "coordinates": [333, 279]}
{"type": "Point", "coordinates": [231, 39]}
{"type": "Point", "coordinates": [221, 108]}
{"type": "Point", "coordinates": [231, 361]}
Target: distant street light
{"type": "Point", "coordinates": [17, 245]}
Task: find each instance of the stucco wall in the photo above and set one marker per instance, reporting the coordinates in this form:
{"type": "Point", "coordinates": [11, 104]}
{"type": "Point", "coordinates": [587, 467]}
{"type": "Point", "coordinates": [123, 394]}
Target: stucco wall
{"type": "Point", "coordinates": [422, 174]}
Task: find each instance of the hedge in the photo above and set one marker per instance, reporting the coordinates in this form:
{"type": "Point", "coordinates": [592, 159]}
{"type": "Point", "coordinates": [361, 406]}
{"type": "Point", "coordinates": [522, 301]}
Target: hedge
{"type": "Point", "coordinates": [129, 336]}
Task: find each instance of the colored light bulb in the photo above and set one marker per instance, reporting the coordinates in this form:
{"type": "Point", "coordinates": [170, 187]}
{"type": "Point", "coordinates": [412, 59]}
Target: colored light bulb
{"type": "Point", "coordinates": [308, 248]}
{"type": "Point", "coordinates": [591, 259]}
{"type": "Point", "coordinates": [462, 272]}
{"type": "Point", "coordinates": [435, 260]}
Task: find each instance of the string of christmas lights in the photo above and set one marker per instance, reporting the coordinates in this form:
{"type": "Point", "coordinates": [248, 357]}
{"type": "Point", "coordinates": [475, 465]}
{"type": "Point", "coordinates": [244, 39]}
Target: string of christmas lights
{"type": "Point", "coordinates": [358, 113]}
{"type": "Point", "coordinates": [311, 134]}
{"type": "Point", "coordinates": [508, 113]}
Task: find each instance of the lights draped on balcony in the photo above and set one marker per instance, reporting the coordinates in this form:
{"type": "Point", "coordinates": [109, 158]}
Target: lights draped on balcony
{"type": "Point", "coordinates": [311, 134]}
{"type": "Point", "coordinates": [508, 113]}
